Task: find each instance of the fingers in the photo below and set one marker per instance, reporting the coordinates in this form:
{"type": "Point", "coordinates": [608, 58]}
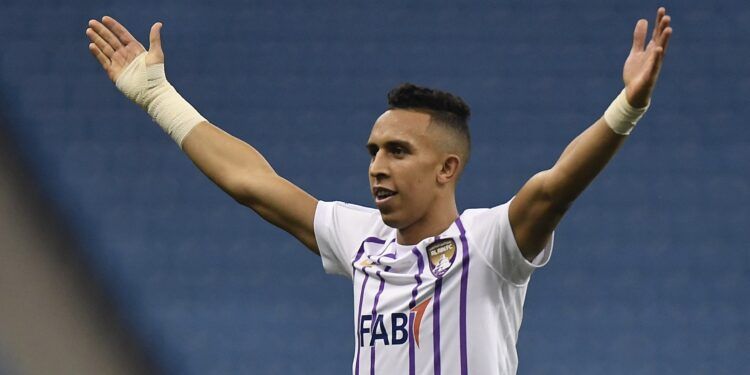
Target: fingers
{"type": "Point", "coordinates": [660, 48]}
{"type": "Point", "coordinates": [659, 44]}
{"type": "Point", "coordinates": [663, 41]}
{"type": "Point", "coordinates": [639, 35]}
{"type": "Point", "coordinates": [100, 56]}
{"type": "Point", "coordinates": [662, 31]}
{"type": "Point", "coordinates": [100, 43]}
{"type": "Point", "coordinates": [155, 38]}
{"type": "Point", "coordinates": [105, 34]}
{"type": "Point", "coordinates": [119, 31]}
{"type": "Point", "coordinates": [665, 31]}
{"type": "Point", "coordinates": [665, 37]}
{"type": "Point", "coordinates": [659, 16]}
{"type": "Point", "coordinates": [660, 35]}
{"type": "Point", "coordinates": [655, 58]}
{"type": "Point", "coordinates": [155, 54]}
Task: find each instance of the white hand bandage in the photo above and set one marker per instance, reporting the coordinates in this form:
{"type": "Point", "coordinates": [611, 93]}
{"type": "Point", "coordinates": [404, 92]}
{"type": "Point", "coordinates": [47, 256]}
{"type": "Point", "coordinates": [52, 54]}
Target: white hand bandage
{"type": "Point", "coordinates": [148, 87]}
{"type": "Point", "coordinates": [621, 116]}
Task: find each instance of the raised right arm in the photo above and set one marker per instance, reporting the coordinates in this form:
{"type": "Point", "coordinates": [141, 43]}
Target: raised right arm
{"type": "Point", "coordinates": [236, 167]}
{"type": "Point", "coordinates": [242, 172]}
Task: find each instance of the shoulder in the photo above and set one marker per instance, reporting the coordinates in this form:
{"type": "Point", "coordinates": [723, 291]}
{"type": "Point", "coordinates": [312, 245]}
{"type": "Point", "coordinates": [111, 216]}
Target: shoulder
{"type": "Point", "coordinates": [487, 227]}
{"type": "Point", "coordinates": [350, 206]}
{"type": "Point", "coordinates": [478, 218]}
{"type": "Point", "coordinates": [338, 214]}
{"type": "Point", "coordinates": [346, 209]}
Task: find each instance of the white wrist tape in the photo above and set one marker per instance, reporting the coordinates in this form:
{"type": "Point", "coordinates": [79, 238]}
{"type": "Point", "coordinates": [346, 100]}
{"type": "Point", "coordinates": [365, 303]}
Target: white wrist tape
{"type": "Point", "coordinates": [148, 87]}
{"type": "Point", "coordinates": [621, 116]}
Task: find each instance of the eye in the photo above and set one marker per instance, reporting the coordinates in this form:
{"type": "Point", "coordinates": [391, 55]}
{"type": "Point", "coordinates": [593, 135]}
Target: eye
{"type": "Point", "coordinates": [372, 150]}
{"type": "Point", "coordinates": [398, 151]}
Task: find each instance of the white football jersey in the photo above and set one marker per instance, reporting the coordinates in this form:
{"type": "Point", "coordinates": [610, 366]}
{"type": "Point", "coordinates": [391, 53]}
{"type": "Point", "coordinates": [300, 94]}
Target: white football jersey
{"type": "Point", "coordinates": [451, 304]}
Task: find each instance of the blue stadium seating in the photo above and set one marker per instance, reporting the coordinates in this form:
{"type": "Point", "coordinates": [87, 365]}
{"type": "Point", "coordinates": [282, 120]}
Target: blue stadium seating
{"type": "Point", "coordinates": [651, 268]}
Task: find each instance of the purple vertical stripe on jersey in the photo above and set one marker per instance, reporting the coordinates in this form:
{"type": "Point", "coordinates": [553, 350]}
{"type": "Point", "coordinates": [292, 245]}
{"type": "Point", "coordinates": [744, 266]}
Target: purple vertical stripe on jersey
{"type": "Point", "coordinates": [436, 322]}
{"type": "Point", "coordinates": [374, 314]}
{"type": "Point", "coordinates": [359, 318]}
{"type": "Point", "coordinates": [360, 252]}
{"type": "Point", "coordinates": [462, 306]}
{"type": "Point", "coordinates": [417, 277]}
{"type": "Point", "coordinates": [412, 316]}
{"type": "Point", "coordinates": [412, 303]}
{"type": "Point", "coordinates": [436, 325]}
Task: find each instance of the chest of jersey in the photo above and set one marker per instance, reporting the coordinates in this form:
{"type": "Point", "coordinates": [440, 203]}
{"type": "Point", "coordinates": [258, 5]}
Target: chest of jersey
{"type": "Point", "coordinates": [407, 297]}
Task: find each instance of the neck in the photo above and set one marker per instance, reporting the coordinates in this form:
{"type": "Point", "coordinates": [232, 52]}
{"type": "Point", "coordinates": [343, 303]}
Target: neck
{"type": "Point", "coordinates": [442, 214]}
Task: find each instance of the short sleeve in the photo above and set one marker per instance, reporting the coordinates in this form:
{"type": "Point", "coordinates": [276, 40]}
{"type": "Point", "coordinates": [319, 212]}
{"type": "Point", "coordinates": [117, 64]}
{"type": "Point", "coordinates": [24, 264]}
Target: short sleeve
{"type": "Point", "coordinates": [492, 231]}
{"type": "Point", "coordinates": [340, 229]}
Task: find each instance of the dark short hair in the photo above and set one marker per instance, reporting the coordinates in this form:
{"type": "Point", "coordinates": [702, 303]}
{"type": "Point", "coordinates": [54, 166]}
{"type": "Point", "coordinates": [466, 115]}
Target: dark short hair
{"type": "Point", "coordinates": [444, 108]}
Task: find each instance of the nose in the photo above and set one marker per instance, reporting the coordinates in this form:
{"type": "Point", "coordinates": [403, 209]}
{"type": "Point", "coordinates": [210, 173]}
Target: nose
{"type": "Point", "coordinates": [379, 165]}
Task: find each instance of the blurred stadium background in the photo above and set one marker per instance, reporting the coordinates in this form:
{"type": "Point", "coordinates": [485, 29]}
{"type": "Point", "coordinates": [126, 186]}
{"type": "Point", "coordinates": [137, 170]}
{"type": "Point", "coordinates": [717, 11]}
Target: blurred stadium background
{"type": "Point", "coordinates": [651, 269]}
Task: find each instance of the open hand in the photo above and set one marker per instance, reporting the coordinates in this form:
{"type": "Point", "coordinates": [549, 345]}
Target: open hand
{"type": "Point", "coordinates": [114, 47]}
{"type": "Point", "coordinates": [644, 62]}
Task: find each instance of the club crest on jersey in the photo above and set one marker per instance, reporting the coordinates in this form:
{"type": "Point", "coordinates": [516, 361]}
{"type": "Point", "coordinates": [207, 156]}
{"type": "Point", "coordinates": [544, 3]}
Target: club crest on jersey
{"type": "Point", "coordinates": [441, 254]}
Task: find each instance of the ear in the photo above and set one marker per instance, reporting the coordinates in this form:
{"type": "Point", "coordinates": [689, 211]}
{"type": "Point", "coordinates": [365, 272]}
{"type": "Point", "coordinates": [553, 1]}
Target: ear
{"type": "Point", "coordinates": [449, 170]}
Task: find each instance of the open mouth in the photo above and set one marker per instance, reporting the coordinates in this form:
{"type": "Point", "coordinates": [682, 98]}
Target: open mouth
{"type": "Point", "coordinates": [383, 194]}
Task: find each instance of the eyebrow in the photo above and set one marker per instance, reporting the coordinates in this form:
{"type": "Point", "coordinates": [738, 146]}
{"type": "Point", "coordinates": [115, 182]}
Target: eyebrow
{"type": "Point", "coordinates": [391, 144]}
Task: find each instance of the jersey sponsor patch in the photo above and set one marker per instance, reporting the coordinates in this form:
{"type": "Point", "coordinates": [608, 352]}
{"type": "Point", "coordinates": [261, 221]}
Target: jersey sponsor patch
{"type": "Point", "coordinates": [401, 327]}
{"type": "Point", "coordinates": [441, 254]}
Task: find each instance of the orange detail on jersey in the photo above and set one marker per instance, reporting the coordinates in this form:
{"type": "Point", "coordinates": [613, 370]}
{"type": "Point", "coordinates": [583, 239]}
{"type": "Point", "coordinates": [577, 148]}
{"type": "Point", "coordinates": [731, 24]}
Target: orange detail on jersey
{"type": "Point", "coordinates": [419, 309]}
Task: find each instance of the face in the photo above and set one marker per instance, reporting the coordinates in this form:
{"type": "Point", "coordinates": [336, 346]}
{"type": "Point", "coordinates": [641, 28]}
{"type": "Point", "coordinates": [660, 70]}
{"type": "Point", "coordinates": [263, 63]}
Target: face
{"type": "Point", "coordinates": [404, 166]}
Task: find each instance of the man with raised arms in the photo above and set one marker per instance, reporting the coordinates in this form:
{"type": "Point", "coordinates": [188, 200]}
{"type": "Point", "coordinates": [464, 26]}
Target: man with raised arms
{"type": "Point", "coordinates": [435, 292]}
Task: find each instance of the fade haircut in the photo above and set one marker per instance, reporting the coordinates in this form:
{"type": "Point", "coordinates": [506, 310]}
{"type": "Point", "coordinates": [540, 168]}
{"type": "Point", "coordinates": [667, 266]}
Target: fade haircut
{"type": "Point", "coordinates": [445, 109]}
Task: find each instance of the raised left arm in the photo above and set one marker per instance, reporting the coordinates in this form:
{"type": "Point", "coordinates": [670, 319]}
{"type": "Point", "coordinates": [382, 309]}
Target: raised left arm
{"type": "Point", "coordinates": [541, 203]}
